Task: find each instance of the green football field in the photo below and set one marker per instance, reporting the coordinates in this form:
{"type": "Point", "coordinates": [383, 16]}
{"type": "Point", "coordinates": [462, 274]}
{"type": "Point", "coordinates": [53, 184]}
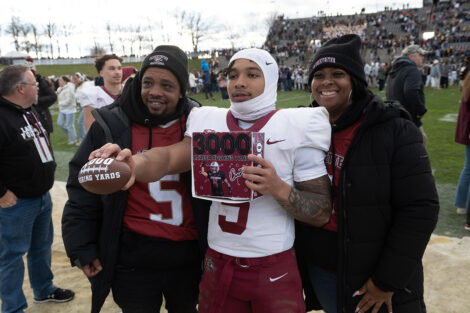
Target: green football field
{"type": "Point", "coordinates": [446, 156]}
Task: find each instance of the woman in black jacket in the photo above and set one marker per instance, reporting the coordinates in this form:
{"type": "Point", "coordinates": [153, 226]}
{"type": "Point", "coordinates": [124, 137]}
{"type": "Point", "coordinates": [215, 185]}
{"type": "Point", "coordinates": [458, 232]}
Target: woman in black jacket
{"type": "Point", "coordinates": [368, 257]}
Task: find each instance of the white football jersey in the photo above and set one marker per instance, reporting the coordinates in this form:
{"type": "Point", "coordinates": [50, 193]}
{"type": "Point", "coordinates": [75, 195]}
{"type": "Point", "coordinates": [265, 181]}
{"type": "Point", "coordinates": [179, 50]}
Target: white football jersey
{"type": "Point", "coordinates": [94, 96]}
{"type": "Point", "coordinates": [262, 227]}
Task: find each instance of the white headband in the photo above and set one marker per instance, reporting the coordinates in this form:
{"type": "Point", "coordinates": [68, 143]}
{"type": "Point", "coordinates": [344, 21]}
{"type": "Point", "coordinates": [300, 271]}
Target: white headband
{"type": "Point", "coordinates": [258, 107]}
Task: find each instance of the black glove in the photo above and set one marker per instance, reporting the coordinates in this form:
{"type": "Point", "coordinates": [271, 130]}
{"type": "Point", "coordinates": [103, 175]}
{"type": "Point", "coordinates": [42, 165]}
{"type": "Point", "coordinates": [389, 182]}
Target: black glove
{"type": "Point", "coordinates": [229, 191]}
{"type": "Point", "coordinates": [203, 163]}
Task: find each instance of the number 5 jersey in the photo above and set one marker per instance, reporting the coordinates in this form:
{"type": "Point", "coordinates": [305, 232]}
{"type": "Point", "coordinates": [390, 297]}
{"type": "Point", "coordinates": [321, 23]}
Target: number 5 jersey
{"type": "Point", "coordinates": [262, 227]}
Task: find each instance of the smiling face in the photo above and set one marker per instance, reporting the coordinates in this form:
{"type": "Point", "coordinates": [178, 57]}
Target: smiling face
{"type": "Point", "coordinates": [245, 80]}
{"type": "Point", "coordinates": [160, 91]}
{"type": "Point", "coordinates": [331, 88]}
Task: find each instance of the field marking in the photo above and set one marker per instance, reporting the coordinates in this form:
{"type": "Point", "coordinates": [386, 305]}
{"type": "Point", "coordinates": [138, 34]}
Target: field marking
{"type": "Point", "coordinates": [451, 117]}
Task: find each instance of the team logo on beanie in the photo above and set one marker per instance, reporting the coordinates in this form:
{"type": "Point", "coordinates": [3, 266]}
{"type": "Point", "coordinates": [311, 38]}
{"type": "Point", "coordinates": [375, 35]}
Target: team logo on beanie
{"type": "Point", "coordinates": [158, 59]}
{"type": "Point", "coordinates": [324, 60]}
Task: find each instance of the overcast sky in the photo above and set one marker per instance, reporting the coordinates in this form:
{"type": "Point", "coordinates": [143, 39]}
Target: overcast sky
{"type": "Point", "coordinates": [245, 18]}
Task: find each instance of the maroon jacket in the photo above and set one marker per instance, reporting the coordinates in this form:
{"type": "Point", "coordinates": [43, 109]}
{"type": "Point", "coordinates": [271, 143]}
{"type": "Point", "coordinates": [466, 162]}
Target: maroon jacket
{"type": "Point", "coordinates": [462, 131]}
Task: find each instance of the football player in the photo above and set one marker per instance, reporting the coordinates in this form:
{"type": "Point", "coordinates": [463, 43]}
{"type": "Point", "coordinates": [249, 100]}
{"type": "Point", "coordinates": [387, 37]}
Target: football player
{"type": "Point", "coordinates": [250, 265]}
{"type": "Point", "coordinates": [216, 177]}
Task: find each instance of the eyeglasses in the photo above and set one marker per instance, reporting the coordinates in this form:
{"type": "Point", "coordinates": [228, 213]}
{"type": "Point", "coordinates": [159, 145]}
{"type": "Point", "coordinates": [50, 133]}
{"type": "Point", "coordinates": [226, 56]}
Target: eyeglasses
{"type": "Point", "coordinates": [36, 84]}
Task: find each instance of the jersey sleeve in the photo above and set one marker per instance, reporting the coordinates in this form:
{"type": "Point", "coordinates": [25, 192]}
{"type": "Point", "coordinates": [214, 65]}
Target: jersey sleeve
{"type": "Point", "coordinates": [318, 130]}
{"type": "Point", "coordinates": [309, 164]}
{"type": "Point", "coordinates": [86, 96]}
{"type": "Point", "coordinates": [310, 156]}
{"type": "Point", "coordinates": [192, 121]}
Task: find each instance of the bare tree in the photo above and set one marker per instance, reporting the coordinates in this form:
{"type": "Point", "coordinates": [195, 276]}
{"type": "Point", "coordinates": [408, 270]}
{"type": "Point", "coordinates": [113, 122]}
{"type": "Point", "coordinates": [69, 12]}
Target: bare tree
{"type": "Point", "coordinates": [270, 19]}
{"type": "Point", "coordinates": [196, 28]}
{"type": "Point", "coordinates": [14, 29]}
{"type": "Point", "coordinates": [36, 45]}
{"type": "Point", "coordinates": [50, 31]}
{"type": "Point", "coordinates": [58, 47]}
{"type": "Point", "coordinates": [110, 31]}
{"type": "Point", "coordinates": [149, 38]}
{"type": "Point", "coordinates": [164, 34]}
{"type": "Point", "coordinates": [132, 37]}
{"type": "Point", "coordinates": [180, 21]}
{"type": "Point", "coordinates": [140, 38]}
{"type": "Point", "coordinates": [233, 38]}
{"type": "Point", "coordinates": [26, 44]}
{"type": "Point", "coordinates": [121, 31]}
{"type": "Point", "coordinates": [97, 50]}
{"type": "Point", "coordinates": [67, 31]}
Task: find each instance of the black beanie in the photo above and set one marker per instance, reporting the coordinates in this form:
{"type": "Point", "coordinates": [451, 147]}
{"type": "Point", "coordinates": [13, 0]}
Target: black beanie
{"type": "Point", "coordinates": [171, 58]}
{"type": "Point", "coordinates": [342, 52]}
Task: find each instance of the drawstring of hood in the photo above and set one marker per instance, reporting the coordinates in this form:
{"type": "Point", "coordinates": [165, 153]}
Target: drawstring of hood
{"type": "Point", "coordinates": [149, 126]}
{"type": "Point", "coordinates": [333, 161]}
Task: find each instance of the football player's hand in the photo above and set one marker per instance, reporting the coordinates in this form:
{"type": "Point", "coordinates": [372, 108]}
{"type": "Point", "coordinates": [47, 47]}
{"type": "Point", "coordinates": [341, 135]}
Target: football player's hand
{"type": "Point", "coordinates": [92, 269]}
{"type": "Point", "coordinates": [203, 163]}
{"type": "Point", "coordinates": [229, 191]}
{"type": "Point", "coordinates": [8, 199]}
{"type": "Point", "coordinates": [111, 150]}
{"type": "Point", "coordinates": [263, 178]}
{"type": "Point", "coordinates": [373, 298]}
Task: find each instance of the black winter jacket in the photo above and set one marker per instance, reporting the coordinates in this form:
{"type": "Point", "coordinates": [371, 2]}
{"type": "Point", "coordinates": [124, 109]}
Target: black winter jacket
{"type": "Point", "coordinates": [46, 98]}
{"type": "Point", "coordinates": [405, 85]}
{"type": "Point", "coordinates": [92, 224]}
{"type": "Point", "coordinates": [387, 209]}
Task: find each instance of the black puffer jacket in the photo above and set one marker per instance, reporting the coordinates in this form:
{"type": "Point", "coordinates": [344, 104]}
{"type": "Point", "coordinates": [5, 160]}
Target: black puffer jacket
{"type": "Point", "coordinates": [405, 85]}
{"type": "Point", "coordinates": [387, 209]}
{"type": "Point", "coordinates": [46, 98]}
{"type": "Point", "coordinates": [92, 224]}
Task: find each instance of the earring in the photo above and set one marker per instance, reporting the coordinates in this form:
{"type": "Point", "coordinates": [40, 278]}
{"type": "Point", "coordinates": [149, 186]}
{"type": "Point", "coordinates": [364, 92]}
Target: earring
{"type": "Point", "coordinates": [349, 97]}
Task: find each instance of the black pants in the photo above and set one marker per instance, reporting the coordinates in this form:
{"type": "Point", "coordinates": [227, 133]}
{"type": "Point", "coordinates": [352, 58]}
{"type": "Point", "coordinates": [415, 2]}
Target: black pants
{"type": "Point", "coordinates": [140, 291]}
{"type": "Point", "coordinates": [381, 84]}
{"type": "Point", "coordinates": [208, 90]}
{"type": "Point", "coordinates": [150, 268]}
{"type": "Point", "coordinates": [444, 82]}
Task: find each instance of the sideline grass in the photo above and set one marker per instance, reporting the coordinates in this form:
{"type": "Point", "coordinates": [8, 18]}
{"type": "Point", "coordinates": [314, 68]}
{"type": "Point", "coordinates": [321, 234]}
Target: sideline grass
{"type": "Point", "coordinates": [89, 69]}
{"type": "Point", "coordinates": [446, 156]}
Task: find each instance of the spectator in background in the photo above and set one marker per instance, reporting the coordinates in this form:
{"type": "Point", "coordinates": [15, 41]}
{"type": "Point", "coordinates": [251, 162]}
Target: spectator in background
{"type": "Point", "coordinates": [214, 83]}
{"type": "Point", "coordinates": [192, 83]}
{"type": "Point", "coordinates": [67, 108]}
{"type": "Point", "coordinates": [445, 70]}
{"type": "Point", "coordinates": [46, 98]}
{"type": "Point", "coordinates": [405, 84]}
{"type": "Point", "coordinates": [206, 80]}
{"type": "Point", "coordinates": [222, 82]}
{"type": "Point", "coordinates": [109, 69]}
{"type": "Point", "coordinates": [427, 73]}
{"type": "Point", "coordinates": [462, 133]}
{"type": "Point", "coordinates": [453, 75]}
{"type": "Point", "coordinates": [79, 81]}
{"type": "Point", "coordinates": [26, 175]}
{"type": "Point", "coordinates": [381, 76]}
{"type": "Point", "coordinates": [435, 74]}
